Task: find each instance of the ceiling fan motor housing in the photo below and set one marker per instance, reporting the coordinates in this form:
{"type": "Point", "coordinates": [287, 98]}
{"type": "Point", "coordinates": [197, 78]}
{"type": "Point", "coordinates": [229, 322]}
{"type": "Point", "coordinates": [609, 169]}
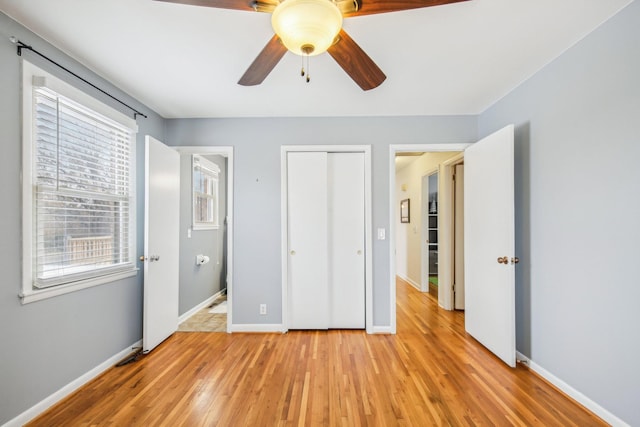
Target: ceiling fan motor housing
{"type": "Point", "coordinates": [307, 27]}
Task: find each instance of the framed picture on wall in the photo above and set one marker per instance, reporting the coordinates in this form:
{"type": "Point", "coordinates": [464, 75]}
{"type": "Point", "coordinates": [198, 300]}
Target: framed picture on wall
{"type": "Point", "coordinates": [404, 210]}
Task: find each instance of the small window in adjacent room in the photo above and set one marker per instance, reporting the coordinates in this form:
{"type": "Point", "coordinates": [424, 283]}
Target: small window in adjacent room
{"type": "Point", "coordinates": [78, 199]}
{"type": "Point", "coordinates": [205, 193]}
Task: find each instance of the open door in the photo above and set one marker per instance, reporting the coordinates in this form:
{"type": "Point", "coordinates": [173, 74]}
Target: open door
{"type": "Point", "coordinates": [489, 231]}
{"type": "Point", "coordinates": [161, 237]}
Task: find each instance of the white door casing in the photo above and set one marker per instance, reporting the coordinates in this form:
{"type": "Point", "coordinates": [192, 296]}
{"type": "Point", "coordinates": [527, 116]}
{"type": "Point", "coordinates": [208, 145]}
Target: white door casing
{"type": "Point", "coordinates": [346, 245]}
{"type": "Point", "coordinates": [458, 255]}
{"type": "Point", "coordinates": [489, 236]}
{"type": "Point", "coordinates": [161, 248]}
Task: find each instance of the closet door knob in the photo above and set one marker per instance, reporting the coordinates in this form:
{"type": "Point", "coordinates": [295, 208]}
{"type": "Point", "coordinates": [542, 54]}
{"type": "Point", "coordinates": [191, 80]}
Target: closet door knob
{"type": "Point", "coordinates": [292, 252]}
{"type": "Point", "coordinates": [359, 252]}
{"type": "Point", "coordinates": [503, 260]}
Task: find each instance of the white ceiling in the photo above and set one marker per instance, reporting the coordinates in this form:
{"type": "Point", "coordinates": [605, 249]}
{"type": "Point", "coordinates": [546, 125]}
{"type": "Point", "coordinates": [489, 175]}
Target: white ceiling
{"type": "Point", "coordinates": [184, 61]}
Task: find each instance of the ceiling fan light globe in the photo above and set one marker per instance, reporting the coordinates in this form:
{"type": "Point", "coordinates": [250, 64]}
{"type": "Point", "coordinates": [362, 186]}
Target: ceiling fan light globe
{"type": "Point", "coordinates": [303, 23]}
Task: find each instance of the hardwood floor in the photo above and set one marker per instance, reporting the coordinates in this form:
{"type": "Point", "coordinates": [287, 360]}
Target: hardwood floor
{"type": "Point", "coordinates": [430, 373]}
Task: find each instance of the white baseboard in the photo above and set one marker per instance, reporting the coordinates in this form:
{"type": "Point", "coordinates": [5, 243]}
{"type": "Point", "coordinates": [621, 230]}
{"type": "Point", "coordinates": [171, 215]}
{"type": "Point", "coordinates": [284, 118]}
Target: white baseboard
{"type": "Point", "coordinates": [572, 392]}
{"type": "Point", "coordinates": [411, 282]}
{"type": "Point", "coordinates": [258, 327]}
{"type": "Point", "coordinates": [381, 330]}
{"type": "Point", "coordinates": [54, 398]}
{"type": "Point", "coordinates": [200, 306]}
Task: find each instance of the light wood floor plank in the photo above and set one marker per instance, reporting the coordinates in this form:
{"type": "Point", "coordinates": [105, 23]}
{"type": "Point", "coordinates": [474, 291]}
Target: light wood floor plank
{"type": "Point", "coordinates": [430, 373]}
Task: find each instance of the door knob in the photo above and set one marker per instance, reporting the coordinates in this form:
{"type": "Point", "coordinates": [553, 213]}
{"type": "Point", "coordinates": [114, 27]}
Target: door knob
{"type": "Point", "coordinates": [515, 260]}
{"type": "Point", "coordinates": [154, 258]}
{"type": "Point", "coordinates": [292, 252]}
{"type": "Point", "coordinates": [359, 252]}
{"type": "Point", "coordinates": [503, 260]}
{"type": "Point", "coordinates": [142, 258]}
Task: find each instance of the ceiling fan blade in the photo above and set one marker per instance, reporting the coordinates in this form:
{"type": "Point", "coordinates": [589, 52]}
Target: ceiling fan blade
{"type": "Point", "coordinates": [220, 4]}
{"type": "Point", "coordinates": [264, 63]}
{"type": "Point", "coordinates": [355, 62]}
{"type": "Point", "coordinates": [370, 7]}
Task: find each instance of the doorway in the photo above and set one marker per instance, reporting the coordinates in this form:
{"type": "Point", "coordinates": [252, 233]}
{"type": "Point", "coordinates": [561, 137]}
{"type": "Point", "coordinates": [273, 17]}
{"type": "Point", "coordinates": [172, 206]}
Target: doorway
{"type": "Point", "coordinates": [206, 241]}
{"type": "Point", "coordinates": [426, 247]}
{"type": "Point", "coordinates": [406, 236]}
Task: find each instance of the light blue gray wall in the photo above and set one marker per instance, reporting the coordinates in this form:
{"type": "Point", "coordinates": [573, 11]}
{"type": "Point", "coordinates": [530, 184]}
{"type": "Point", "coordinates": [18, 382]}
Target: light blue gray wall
{"type": "Point", "coordinates": [257, 142]}
{"type": "Point", "coordinates": [578, 210]}
{"type": "Point", "coordinates": [47, 344]}
{"type": "Point", "coordinates": [197, 283]}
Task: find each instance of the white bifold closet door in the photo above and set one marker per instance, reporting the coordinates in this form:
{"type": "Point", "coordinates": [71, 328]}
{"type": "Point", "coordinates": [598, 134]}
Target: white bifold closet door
{"type": "Point", "coordinates": [326, 265]}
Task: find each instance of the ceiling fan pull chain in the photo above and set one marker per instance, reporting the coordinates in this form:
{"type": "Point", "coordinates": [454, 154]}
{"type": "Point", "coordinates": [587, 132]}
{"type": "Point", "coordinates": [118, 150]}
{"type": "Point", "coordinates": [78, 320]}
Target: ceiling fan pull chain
{"type": "Point", "coordinates": [308, 70]}
{"type": "Point", "coordinates": [302, 69]}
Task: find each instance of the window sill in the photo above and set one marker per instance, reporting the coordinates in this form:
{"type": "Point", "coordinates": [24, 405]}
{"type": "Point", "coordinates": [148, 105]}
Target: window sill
{"type": "Point", "coordinates": [204, 227]}
{"type": "Point", "coordinates": [54, 291]}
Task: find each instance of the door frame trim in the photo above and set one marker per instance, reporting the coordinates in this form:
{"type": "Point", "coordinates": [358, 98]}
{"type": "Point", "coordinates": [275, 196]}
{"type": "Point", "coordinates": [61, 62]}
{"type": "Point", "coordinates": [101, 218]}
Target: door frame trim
{"type": "Point", "coordinates": [445, 228]}
{"type": "Point", "coordinates": [393, 149]}
{"type": "Point", "coordinates": [225, 151]}
{"type": "Point", "coordinates": [368, 235]}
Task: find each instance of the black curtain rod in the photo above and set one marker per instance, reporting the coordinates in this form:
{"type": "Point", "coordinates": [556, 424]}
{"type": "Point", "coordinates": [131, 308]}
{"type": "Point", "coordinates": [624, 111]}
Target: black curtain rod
{"type": "Point", "coordinates": [22, 45]}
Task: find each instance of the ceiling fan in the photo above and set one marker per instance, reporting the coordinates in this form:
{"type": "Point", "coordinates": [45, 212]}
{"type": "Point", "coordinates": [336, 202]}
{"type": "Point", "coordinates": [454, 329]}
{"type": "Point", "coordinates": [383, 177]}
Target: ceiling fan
{"type": "Point", "coordinates": [311, 27]}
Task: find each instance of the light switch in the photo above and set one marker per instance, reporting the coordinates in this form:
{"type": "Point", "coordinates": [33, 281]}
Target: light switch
{"type": "Point", "coordinates": [381, 234]}
{"type": "Point", "coordinates": [188, 233]}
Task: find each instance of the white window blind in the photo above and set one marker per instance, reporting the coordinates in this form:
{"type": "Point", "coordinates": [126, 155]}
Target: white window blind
{"type": "Point", "coordinates": [82, 192]}
{"type": "Point", "coordinates": [205, 193]}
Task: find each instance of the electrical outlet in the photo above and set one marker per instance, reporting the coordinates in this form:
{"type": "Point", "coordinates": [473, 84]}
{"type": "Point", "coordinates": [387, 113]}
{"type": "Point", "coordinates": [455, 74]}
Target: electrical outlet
{"type": "Point", "coordinates": [263, 309]}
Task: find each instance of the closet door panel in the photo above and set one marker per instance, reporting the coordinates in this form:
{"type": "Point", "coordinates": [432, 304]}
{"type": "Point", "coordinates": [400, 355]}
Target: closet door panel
{"type": "Point", "coordinates": [307, 222]}
{"type": "Point", "coordinates": [346, 240]}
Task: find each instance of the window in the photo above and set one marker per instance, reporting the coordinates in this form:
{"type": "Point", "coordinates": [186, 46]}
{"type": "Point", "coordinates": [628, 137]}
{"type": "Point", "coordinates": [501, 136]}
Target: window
{"type": "Point", "coordinates": [205, 193]}
{"type": "Point", "coordinates": [79, 206]}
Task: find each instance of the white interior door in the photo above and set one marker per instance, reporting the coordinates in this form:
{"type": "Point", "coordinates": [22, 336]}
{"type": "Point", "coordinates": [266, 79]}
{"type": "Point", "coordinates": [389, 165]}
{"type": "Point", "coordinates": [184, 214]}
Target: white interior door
{"type": "Point", "coordinates": [345, 183]}
{"type": "Point", "coordinates": [161, 237]}
{"type": "Point", "coordinates": [489, 243]}
{"type": "Point", "coordinates": [307, 223]}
